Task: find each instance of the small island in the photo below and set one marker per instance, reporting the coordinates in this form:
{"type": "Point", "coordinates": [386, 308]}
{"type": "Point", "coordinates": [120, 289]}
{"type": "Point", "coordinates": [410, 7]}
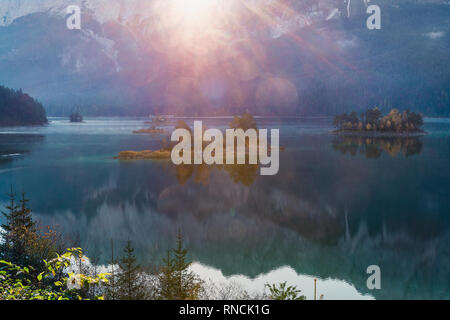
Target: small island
{"type": "Point", "coordinates": [76, 117]}
{"type": "Point", "coordinates": [245, 122]}
{"type": "Point", "coordinates": [19, 109]}
{"type": "Point", "coordinates": [374, 122]}
{"type": "Point", "coordinates": [151, 130]}
{"type": "Point", "coordinates": [144, 155]}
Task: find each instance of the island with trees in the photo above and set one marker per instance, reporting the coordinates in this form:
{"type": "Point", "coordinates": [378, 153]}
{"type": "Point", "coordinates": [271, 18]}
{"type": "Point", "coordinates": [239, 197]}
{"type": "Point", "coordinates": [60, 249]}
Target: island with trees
{"type": "Point", "coordinates": [19, 109]}
{"type": "Point", "coordinates": [373, 121]}
{"type": "Point", "coordinates": [76, 117]}
{"type": "Point", "coordinates": [244, 122]}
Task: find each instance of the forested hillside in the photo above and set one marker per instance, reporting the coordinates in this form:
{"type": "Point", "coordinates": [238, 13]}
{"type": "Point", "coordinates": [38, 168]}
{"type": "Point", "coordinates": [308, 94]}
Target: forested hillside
{"type": "Point", "coordinates": [18, 108]}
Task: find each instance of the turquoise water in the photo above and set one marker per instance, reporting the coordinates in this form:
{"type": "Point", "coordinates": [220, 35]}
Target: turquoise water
{"type": "Point", "coordinates": [336, 206]}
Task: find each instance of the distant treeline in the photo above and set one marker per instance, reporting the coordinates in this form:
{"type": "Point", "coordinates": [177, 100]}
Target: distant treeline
{"type": "Point", "coordinates": [18, 108]}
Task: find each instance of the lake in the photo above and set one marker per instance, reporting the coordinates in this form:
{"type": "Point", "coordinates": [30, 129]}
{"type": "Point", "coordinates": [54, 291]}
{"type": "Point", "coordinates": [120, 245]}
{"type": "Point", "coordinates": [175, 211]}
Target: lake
{"type": "Point", "coordinates": [337, 205]}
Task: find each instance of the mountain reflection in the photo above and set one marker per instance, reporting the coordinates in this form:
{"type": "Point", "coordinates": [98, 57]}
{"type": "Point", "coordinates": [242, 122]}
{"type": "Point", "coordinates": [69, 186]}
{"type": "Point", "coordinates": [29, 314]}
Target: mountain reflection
{"type": "Point", "coordinates": [374, 147]}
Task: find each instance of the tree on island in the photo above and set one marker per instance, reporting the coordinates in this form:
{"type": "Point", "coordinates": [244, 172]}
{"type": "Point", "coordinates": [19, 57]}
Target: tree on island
{"type": "Point", "coordinates": [76, 116]}
{"type": "Point", "coordinates": [19, 109]}
{"type": "Point", "coordinates": [374, 121]}
{"type": "Point", "coordinates": [244, 122]}
{"type": "Point", "coordinates": [373, 115]}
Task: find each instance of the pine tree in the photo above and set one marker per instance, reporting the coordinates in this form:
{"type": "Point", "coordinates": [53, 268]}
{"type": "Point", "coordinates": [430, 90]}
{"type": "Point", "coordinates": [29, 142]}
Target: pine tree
{"type": "Point", "coordinates": [112, 289]}
{"type": "Point", "coordinates": [19, 233]}
{"type": "Point", "coordinates": [129, 279]}
{"type": "Point", "coordinates": [23, 242]}
{"type": "Point", "coordinates": [183, 279]}
{"type": "Point", "coordinates": [176, 282]}
{"type": "Point", "coordinates": [165, 290]}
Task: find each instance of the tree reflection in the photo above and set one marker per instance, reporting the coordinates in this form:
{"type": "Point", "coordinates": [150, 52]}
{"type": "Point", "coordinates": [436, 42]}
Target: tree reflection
{"type": "Point", "coordinates": [374, 147]}
{"type": "Point", "coordinates": [13, 146]}
{"type": "Point", "coordinates": [240, 173]}
{"type": "Point", "coordinates": [245, 174]}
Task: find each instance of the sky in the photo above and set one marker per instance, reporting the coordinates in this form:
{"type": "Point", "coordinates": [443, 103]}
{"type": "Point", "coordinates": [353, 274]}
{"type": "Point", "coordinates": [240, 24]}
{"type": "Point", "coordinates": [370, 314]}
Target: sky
{"type": "Point", "coordinates": [273, 57]}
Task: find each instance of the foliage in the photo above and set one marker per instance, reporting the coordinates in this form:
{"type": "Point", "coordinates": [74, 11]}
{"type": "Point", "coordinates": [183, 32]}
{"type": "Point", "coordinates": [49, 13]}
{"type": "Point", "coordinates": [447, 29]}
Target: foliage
{"type": "Point", "coordinates": [24, 243]}
{"type": "Point", "coordinates": [18, 108]}
{"type": "Point", "coordinates": [175, 281]}
{"type": "Point", "coordinates": [281, 292]}
{"type": "Point", "coordinates": [18, 283]}
{"type": "Point", "coordinates": [373, 120]}
{"type": "Point", "coordinates": [229, 291]}
{"type": "Point", "coordinates": [68, 276]}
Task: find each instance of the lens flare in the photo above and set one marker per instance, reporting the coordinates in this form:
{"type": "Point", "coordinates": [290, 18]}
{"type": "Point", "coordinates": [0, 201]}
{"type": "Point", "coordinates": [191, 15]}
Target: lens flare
{"type": "Point", "coordinates": [231, 51]}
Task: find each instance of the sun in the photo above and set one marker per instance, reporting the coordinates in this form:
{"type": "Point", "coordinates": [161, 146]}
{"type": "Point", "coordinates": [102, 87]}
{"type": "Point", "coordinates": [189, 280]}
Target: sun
{"type": "Point", "coordinates": [195, 12]}
{"type": "Point", "coordinates": [196, 7]}
{"type": "Point", "coordinates": [193, 26]}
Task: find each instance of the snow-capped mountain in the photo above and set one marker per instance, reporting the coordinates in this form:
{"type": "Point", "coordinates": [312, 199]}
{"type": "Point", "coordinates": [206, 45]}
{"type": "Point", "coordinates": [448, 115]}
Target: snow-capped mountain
{"type": "Point", "coordinates": [104, 10]}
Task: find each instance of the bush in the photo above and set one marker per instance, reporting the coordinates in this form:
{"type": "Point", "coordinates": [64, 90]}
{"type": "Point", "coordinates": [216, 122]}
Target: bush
{"type": "Point", "coordinates": [281, 292]}
{"type": "Point", "coordinates": [18, 283]}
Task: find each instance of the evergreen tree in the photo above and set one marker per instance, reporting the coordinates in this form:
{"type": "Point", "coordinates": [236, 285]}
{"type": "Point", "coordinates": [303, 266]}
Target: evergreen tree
{"type": "Point", "coordinates": [166, 279]}
{"type": "Point", "coordinates": [176, 282]}
{"type": "Point", "coordinates": [112, 287]}
{"type": "Point", "coordinates": [185, 284]}
{"type": "Point", "coordinates": [19, 232]}
{"type": "Point", "coordinates": [129, 282]}
{"type": "Point", "coordinates": [23, 241]}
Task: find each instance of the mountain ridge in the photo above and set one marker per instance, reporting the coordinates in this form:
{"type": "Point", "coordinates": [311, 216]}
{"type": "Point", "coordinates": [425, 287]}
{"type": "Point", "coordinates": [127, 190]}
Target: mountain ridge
{"type": "Point", "coordinates": [129, 60]}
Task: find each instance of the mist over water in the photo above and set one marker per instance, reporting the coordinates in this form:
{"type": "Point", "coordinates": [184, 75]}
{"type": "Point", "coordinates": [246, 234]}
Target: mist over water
{"type": "Point", "coordinates": [335, 207]}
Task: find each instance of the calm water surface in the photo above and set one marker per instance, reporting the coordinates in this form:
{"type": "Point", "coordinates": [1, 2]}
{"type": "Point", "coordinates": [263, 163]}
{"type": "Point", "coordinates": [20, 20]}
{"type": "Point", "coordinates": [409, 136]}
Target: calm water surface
{"type": "Point", "coordinates": [337, 205]}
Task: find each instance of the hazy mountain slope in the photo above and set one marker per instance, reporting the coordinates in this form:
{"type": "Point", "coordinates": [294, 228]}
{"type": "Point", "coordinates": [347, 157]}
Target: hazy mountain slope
{"type": "Point", "coordinates": [277, 57]}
